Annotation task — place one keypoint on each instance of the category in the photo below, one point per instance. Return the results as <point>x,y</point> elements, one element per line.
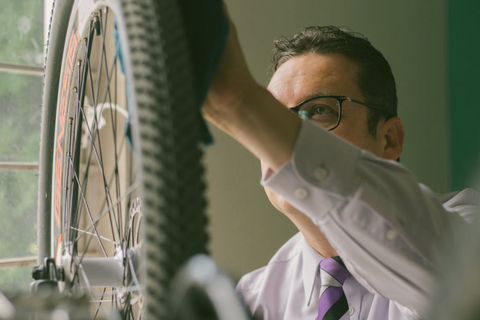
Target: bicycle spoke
<point>119,199</point>
<point>103,213</point>
<point>134,276</point>
<point>113,120</point>
<point>88,210</point>
<point>99,153</point>
<point>125,290</point>
<point>99,161</point>
<point>82,69</point>
<point>100,304</point>
<point>100,216</point>
<point>89,289</point>
<point>92,137</point>
<point>93,234</point>
<point>103,59</point>
<point>110,182</point>
<point>91,150</point>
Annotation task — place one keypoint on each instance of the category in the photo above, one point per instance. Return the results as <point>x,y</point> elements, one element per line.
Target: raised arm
<point>248,112</point>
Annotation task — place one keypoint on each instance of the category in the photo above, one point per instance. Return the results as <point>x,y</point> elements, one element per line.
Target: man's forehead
<point>292,85</point>
<point>310,75</point>
<point>285,74</point>
<point>289,79</point>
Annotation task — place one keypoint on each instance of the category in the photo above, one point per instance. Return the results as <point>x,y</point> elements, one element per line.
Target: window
<point>21,80</point>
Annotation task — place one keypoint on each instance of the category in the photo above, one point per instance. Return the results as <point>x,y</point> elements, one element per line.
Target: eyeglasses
<point>326,110</point>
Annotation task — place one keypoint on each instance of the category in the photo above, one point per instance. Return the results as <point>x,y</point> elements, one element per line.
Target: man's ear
<point>394,134</point>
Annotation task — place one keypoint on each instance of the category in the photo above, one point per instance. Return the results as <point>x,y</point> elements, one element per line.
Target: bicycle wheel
<point>121,203</point>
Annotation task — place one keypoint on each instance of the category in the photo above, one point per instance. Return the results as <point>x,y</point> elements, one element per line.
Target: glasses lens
<point>324,111</point>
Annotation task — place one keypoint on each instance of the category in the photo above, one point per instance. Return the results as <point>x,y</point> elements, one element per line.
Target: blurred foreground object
<point>202,291</point>
<point>458,293</point>
<point>44,305</point>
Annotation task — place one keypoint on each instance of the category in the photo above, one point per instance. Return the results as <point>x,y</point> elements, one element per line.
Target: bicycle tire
<point>165,133</point>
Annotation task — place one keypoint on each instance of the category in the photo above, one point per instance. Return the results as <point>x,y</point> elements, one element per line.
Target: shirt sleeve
<point>387,228</point>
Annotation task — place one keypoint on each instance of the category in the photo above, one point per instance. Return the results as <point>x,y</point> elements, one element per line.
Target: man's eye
<point>321,110</point>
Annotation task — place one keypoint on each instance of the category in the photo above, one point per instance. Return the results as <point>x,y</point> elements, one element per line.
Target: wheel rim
<point>98,229</point>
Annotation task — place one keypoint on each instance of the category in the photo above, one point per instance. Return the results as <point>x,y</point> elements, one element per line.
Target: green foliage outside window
<point>21,32</point>
<point>21,43</point>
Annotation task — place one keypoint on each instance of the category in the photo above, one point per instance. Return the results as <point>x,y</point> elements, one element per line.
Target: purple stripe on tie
<point>335,269</point>
<point>329,297</point>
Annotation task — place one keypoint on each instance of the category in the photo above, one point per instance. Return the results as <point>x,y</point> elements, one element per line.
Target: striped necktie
<point>333,303</point>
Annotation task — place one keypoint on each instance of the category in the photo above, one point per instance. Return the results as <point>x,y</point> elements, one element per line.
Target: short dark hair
<point>374,77</point>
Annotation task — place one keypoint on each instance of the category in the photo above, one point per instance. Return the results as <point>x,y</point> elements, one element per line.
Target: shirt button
<point>391,234</point>
<point>320,173</point>
<point>301,193</point>
<point>351,310</point>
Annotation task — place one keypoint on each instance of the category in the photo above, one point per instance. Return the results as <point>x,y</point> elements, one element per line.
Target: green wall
<point>464,90</point>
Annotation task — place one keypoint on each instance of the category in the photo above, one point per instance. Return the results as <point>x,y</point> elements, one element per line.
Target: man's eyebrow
<point>312,94</point>
<point>317,93</point>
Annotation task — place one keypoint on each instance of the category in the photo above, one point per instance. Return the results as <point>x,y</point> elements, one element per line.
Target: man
<point>343,188</point>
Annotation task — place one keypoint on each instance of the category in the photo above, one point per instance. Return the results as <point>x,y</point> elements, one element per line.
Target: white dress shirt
<point>387,228</point>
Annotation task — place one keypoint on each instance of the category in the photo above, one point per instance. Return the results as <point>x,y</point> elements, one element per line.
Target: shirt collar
<point>311,260</point>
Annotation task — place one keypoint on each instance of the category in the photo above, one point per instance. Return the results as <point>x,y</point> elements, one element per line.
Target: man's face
<point>312,75</point>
